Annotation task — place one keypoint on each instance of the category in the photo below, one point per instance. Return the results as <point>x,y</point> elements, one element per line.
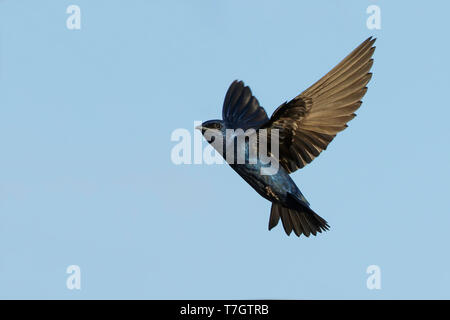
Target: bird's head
<point>213,127</point>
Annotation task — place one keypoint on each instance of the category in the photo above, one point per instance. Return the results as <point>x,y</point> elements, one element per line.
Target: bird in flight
<point>303,128</point>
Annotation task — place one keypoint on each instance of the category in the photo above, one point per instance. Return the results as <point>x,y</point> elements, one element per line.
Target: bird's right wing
<point>310,121</point>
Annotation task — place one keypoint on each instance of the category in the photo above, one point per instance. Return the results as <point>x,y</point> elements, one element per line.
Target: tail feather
<point>296,223</point>
<point>302,220</point>
<point>307,228</point>
<point>274,216</point>
<point>286,220</point>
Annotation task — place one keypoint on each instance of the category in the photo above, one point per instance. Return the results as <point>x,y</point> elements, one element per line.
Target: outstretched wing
<point>241,110</point>
<point>309,122</point>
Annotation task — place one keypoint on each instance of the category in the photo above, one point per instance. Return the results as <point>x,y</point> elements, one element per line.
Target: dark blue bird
<point>302,128</point>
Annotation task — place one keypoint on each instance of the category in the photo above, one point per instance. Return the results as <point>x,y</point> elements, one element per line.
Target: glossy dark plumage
<point>306,125</point>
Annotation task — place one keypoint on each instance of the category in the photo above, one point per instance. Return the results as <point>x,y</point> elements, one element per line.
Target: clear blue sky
<point>86,177</point>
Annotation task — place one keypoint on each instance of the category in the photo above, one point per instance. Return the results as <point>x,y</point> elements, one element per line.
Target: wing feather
<point>310,121</point>
<point>241,110</point>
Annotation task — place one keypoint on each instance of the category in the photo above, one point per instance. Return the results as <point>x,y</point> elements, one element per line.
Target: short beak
<point>199,128</point>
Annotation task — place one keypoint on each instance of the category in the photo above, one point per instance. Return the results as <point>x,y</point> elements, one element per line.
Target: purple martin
<point>303,128</point>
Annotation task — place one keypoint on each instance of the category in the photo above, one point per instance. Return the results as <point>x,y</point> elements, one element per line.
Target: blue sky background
<point>85,171</point>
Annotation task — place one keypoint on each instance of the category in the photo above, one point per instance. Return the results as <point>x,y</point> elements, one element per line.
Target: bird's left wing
<point>241,110</point>
<point>309,122</point>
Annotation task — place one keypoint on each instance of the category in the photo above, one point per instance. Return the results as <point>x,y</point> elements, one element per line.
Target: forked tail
<point>301,220</point>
